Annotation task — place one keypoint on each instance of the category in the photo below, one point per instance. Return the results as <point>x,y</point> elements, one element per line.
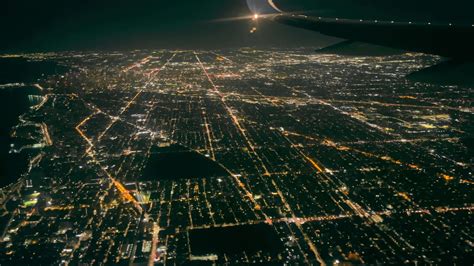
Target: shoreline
<point>15,103</point>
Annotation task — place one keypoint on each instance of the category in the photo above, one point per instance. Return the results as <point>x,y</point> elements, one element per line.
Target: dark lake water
<point>20,69</point>
<point>177,162</point>
<point>234,241</point>
<point>13,103</point>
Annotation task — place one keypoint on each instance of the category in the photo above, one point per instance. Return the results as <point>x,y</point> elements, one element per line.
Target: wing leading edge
<point>449,40</point>
<point>445,40</point>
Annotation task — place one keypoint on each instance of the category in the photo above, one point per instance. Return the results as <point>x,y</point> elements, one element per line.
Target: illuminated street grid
<point>341,157</point>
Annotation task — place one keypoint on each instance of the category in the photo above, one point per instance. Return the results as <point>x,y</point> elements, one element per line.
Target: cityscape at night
<point>237,156</point>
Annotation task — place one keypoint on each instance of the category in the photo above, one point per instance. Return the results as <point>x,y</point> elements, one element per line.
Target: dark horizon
<point>54,25</point>
<point>144,24</point>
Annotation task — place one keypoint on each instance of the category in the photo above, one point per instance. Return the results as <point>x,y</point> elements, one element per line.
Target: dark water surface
<point>13,103</point>
<point>19,69</point>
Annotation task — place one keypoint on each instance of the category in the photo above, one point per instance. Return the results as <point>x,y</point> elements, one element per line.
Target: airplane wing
<point>448,40</point>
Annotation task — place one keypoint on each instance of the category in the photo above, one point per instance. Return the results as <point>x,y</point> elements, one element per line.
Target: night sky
<point>49,25</point>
